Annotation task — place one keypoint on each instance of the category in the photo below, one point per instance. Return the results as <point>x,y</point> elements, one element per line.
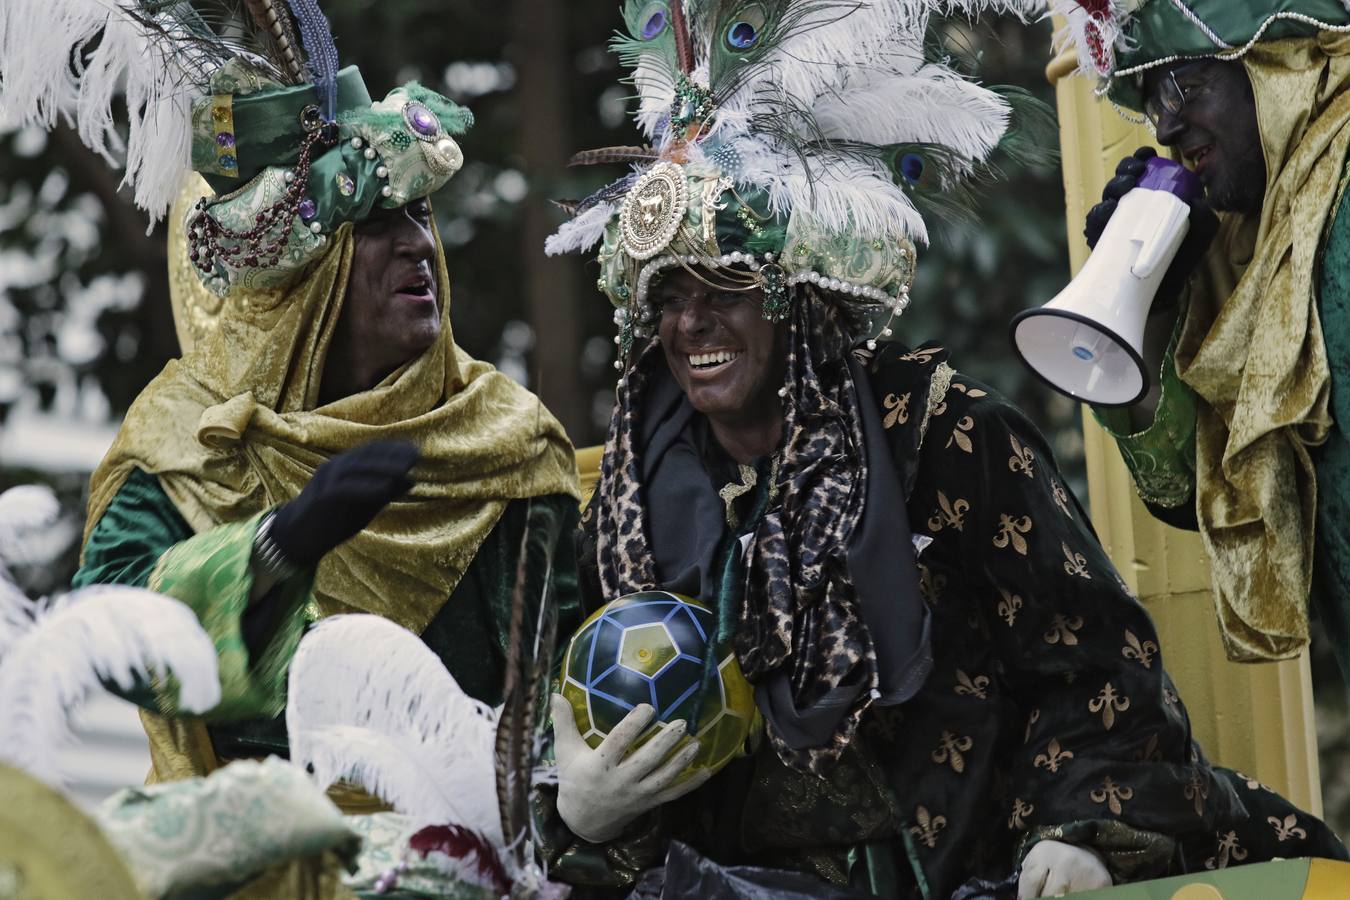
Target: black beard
<point>1243,189</point>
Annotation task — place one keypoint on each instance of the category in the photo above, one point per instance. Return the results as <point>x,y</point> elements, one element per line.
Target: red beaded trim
<point>263,243</point>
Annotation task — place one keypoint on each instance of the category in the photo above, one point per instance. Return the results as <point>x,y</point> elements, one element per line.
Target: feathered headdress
<point>799,140</point>
<point>251,97</point>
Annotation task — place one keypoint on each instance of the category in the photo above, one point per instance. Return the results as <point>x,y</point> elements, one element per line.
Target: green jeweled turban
<point>1117,39</point>
<point>284,181</point>
<point>693,215</point>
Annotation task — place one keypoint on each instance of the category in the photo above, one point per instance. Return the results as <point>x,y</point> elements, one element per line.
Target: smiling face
<point>391,312</point>
<point>725,356</point>
<point>1216,130</point>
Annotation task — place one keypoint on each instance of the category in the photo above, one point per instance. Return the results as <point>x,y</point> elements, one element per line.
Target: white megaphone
<point>1087,341</point>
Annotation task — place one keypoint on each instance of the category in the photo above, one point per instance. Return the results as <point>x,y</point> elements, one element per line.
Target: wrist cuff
<point>268,554</point>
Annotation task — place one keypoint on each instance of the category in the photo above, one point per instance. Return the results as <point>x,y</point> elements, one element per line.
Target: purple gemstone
<point>423,120</point>
<point>307,209</point>
<point>225,139</point>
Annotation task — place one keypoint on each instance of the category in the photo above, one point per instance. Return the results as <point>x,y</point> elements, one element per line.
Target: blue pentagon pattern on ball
<point>649,648</point>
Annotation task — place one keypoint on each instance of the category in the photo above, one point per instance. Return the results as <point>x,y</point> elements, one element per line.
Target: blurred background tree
<point>85,318</point>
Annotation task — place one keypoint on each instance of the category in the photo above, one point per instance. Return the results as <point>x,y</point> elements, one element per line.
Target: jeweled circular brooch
<point>653,210</point>
<point>421,121</point>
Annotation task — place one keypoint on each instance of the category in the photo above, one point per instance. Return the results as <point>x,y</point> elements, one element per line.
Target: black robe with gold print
<point>1048,713</point>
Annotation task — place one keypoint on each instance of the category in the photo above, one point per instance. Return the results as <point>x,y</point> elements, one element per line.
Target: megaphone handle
<point>1157,246</point>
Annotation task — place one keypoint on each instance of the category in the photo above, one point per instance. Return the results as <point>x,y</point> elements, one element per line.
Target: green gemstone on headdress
<point>693,104</point>
<point>773,284</point>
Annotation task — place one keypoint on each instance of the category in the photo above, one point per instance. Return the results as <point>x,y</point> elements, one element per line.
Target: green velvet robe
<point>1048,713</point>
<point>1161,458</point>
<point>469,634</point>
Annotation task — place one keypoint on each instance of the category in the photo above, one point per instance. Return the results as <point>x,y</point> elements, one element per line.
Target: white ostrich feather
<point>369,702</point>
<point>70,646</point>
<point>38,41</point>
<point>935,105</point>
<point>841,193</point>
<point>581,233</point>
<point>24,511</point>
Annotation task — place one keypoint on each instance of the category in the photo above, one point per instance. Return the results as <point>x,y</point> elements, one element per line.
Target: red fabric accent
<point>457,843</point>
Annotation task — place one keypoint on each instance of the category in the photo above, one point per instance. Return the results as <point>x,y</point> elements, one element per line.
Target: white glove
<point>600,791</point>
<point>1053,869</point>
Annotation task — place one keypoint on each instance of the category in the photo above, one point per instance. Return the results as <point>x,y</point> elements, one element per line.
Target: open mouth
<point>417,286</point>
<point>704,362</point>
<point>1200,156</point>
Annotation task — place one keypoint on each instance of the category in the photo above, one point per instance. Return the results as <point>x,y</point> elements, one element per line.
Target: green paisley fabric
<point>187,837</point>
<point>1161,458</point>
<point>142,527</point>
<point>210,573</point>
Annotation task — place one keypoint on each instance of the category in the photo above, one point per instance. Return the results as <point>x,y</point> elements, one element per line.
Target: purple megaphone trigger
<point>1166,175</point>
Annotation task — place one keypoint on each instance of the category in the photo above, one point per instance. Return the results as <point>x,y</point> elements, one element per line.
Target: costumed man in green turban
<point>322,446</point>
<point>1241,434</point>
<point>954,682</point>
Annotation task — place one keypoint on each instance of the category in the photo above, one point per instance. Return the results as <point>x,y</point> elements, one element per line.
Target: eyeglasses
<point>1171,96</point>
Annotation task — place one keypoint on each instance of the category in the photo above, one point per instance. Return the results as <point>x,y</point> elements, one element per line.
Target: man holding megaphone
<point>1227,339</point>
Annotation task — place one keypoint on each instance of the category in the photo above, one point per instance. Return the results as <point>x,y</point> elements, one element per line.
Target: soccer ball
<point>649,647</point>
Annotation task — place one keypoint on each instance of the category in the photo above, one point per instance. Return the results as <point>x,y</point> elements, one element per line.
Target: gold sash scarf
<point>1252,348</point>
<point>232,428</point>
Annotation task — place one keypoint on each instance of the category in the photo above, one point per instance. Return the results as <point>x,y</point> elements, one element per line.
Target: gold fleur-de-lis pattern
<point>1061,496</point>
<point>949,514</point>
<point>1076,563</point>
<point>927,827</point>
<point>931,584</point>
<point>1053,757</point>
<point>968,686</point>
<point>897,410</point>
<point>971,392</point>
<point>1022,458</point>
<point>1141,652</point>
<point>1229,850</point>
<point>1034,637</point>
<point>1062,630</point>
<point>1010,531</point>
<point>1149,752</point>
<point>1107,704</point>
<point>1113,795</point>
<point>1287,829</point>
<point>951,749</point>
<point>961,435</point>
<point>1020,810</point>
<point>1197,791</point>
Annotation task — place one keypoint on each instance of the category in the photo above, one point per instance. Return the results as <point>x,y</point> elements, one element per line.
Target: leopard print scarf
<point>799,623</point>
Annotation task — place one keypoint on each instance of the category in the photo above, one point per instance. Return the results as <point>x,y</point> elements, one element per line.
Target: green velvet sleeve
<point>142,541</point>
<point>1161,458</point>
<point>1331,558</point>
<point>210,572</point>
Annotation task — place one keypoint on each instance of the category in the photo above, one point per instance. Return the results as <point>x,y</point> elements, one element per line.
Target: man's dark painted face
<point>726,357</point>
<point>392,307</point>
<point>1215,130</point>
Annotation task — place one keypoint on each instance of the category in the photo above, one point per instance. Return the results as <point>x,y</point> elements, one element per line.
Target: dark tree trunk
<point>540,49</point>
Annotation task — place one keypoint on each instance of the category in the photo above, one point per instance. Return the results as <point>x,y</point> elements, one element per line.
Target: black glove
<point>1204,225</point>
<point>343,496</point>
